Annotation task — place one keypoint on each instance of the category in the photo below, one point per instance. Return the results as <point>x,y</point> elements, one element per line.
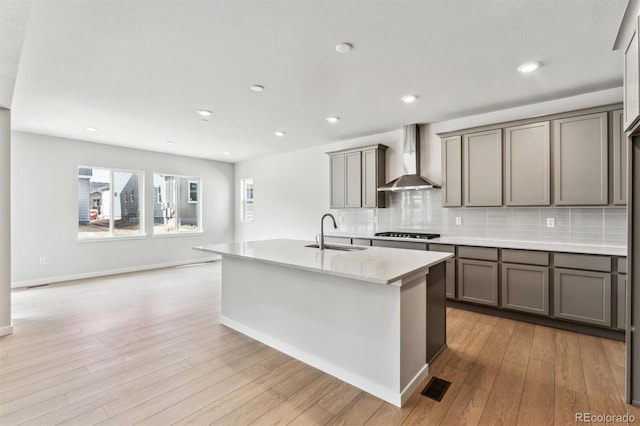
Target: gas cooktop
<point>416,235</point>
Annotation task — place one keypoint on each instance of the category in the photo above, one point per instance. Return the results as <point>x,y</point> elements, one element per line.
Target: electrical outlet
<point>375,220</point>
<point>551,222</point>
<point>43,260</point>
<point>458,220</point>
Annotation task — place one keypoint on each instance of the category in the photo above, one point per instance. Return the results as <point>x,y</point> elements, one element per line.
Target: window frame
<point>109,236</point>
<point>158,199</point>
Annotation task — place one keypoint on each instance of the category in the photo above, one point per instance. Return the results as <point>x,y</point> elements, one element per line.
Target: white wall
<point>45,213</point>
<point>5,222</point>
<point>292,189</point>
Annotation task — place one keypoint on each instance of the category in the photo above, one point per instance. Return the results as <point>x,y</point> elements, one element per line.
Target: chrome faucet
<point>322,228</point>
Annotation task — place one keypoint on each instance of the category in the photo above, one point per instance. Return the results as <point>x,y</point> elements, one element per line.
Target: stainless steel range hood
<point>411,180</point>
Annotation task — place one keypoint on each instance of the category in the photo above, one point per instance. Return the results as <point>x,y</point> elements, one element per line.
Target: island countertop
<point>378,265</point>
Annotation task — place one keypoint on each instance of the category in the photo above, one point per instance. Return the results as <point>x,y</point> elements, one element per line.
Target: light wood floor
<point>147,348</point>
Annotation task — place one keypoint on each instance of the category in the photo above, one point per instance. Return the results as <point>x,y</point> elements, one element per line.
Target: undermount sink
<point>341,248</point>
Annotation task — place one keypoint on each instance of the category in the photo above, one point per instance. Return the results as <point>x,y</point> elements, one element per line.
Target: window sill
<point>115,238</point>
<point>178,234</point>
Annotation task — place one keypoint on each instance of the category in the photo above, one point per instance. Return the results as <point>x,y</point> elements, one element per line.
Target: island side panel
<point>347,328</point>
<point>436,311</point>
<point>413,368</point>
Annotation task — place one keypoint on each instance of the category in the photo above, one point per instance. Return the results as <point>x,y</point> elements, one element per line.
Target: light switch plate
<point>551,222</point>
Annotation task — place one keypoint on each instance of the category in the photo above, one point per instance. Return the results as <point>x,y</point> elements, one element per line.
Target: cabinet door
<point>482,168</point>
<point>622,302</point>
<point>527,167</point>
<point>451,278</point>
<point>582,296</point>
<point>525,288</point>
<point>452,172</point>
<point>478,281</point>
<point>338,181</point>
<point>620,144</point>
<point>369,178</point>
<point>353,197</point>
<point>631,81</point>
<point>581,161</point>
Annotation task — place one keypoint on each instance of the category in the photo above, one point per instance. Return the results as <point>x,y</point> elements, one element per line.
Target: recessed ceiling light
<point>204,120</point>
<point>409,98</point>
<point>257,88</point>
<point>529,66</point>
<point>204,112</point>
<point>344,47</point>
<point>91,129</point>
<point>279,133</point>
<point>333,119</point>
<point>226,153</point>
<point>170,142</point>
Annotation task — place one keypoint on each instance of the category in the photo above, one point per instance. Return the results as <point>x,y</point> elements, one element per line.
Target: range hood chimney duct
<point>411,180</point>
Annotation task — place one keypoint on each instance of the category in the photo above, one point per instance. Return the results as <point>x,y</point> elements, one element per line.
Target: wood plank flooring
<point>147,348</point>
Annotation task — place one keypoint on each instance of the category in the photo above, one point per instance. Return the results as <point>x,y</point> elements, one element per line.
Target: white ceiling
<point>139,69</point>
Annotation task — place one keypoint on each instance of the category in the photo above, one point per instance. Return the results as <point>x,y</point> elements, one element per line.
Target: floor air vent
<point>436,388</point>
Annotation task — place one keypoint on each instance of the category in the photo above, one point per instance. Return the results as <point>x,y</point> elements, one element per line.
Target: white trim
<point>114,238</point>
<point>389,395</point>
<point>178,234</point>
<point>61,278</point>
<point>6,330</point>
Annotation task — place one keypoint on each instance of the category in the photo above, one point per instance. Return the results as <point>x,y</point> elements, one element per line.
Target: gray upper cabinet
<point>353,184</point>
<point>619,159</point>
<point>338,180</point>
<point>452,171</point>
<point>482,168</point>
<point>527,169</point>
<point>581,160</point>
<point>355,177</point>
<point>631,81</point>
<point>373,176</point>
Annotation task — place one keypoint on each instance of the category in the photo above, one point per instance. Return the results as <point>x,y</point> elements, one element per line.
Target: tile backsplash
<point>422,211</point>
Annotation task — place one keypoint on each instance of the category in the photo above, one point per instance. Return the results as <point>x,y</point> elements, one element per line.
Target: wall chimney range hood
<point>411,180</point>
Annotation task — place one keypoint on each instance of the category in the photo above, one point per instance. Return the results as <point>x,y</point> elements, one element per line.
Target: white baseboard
<point>94,274</point>
<point>328,367</point>
<point>8,329</point>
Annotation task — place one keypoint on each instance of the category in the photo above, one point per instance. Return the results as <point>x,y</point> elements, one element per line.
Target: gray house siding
<point>130,200</point>
<point>84,176</point>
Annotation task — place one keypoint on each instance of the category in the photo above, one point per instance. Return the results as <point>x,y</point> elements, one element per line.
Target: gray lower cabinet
<point>581,146</point>
<point>582,296</point>
<point>621,302</point>
<point>451,279</point>
<point>478,281</point>
<point>525,288</point>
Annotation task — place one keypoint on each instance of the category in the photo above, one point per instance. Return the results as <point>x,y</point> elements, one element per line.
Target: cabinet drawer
<point>337,240</point>
<point>442,248</point>
<point>622,265</point>
<point>525,288</point>
<point>399,244</point>
<point>582,296</point>
<point>481,253</point>
<point>526,256</point>
<point>361,242</point>
<point>583,261</point>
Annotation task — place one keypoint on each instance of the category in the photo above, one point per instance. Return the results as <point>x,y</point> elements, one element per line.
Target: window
<point>176,208</point>
<point>246,200</point>
<point>102,195</point>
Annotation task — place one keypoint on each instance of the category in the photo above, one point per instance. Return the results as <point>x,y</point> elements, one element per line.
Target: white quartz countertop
<point>378,265</point>
<point>480,242</point>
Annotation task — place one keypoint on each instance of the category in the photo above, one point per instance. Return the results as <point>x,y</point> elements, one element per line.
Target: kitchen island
<point>373,317</point>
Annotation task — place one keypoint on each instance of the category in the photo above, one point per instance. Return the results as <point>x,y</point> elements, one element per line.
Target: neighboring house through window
<point>177,208</point>
<point>246,200</point>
